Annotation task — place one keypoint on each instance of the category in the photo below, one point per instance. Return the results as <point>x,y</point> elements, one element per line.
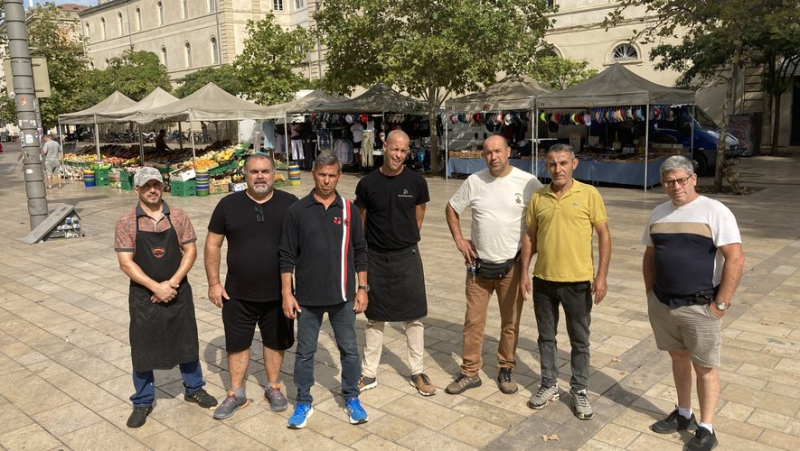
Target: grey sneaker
<point>462,383</point>
<point>580,402</point>
<point>277,402</point>
<point>505,380</point>
<point>228,407</point>
<point>543,397</point>
<point>366,383</point>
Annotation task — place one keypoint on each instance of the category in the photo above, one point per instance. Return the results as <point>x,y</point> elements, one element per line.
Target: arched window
<point>188,48</point>
<point>103,34</point>
<point>107,63</point>
<point>624,52</point>
<point>138,19</point>
<point>91,65</point>
<point>212,6</point>
<point>160,13</point>
<point>214,50</point>
<point>119,22</point>
<point>277,5</point>
<point>164,57</point>
<point>185,8</point>
<point>88,33</point>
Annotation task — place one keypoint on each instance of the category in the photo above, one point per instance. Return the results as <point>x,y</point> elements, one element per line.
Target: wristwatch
<point>721,306</point>
<point>364,287</point>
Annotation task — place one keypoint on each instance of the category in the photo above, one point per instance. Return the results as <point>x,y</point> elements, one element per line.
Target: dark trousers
<point>576,299</point>
<point>343,321</point>
<point>143,383</point>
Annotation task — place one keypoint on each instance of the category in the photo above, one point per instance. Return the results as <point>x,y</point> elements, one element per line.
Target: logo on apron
<point>337,220</point>
<point>159,252</point>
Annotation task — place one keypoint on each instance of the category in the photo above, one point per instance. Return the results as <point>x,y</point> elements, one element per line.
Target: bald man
<point>392,201</point>
<point>498,197</point>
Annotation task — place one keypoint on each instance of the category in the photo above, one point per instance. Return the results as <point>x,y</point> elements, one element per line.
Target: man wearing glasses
<point>252,222</point>
<point>392,201</point>
<point>561,219</point>
<point>692,266</point>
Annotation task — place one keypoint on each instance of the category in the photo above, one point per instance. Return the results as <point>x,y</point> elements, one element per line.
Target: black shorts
<point>240,318</point>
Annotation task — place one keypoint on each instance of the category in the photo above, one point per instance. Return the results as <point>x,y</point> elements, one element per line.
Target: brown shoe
<point>505,380</point>
<point>462,382</point>
<point>423,384</point>
<point>366,383</point>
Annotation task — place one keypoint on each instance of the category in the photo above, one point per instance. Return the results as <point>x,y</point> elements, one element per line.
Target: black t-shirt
<point>253,269</point>
<point>391,204</point>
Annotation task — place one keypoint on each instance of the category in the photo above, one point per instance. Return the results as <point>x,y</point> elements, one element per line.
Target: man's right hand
<point>467,249</point>
<point>216,293</point>
<point>525,287</point>
<point>290,306</point>
<point>164,292</point>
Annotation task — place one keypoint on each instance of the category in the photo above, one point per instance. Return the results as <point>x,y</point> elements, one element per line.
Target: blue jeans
<point>343,321</point>
<point>146,392</point>
<point>576,298</point>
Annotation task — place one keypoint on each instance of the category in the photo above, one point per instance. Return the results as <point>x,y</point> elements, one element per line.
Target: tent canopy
<point>378,99</point>
<point>615,86</point>
<point>515,92</point>
<point>157,98</point>
<point>209,103</point>
<point>308,103</point>
<point>112,103</point>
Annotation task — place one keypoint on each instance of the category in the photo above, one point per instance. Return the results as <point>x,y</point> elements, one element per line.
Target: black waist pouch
<point>493,270</point>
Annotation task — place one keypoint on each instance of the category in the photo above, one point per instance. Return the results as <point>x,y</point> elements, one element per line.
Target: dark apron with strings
<point>162,335</point>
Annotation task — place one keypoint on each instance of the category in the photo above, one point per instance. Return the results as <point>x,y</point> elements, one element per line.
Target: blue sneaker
<point>302,412</point>
<point>355,411</point>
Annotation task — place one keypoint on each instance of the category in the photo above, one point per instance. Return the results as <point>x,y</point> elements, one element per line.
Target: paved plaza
<point>65,360</point>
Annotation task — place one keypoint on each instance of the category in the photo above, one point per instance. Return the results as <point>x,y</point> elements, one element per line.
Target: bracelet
<point>214,284</point>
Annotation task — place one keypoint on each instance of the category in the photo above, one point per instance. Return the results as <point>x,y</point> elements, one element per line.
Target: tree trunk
<point>727,111</point>
<point>432,108</point>
<point>776,122</point>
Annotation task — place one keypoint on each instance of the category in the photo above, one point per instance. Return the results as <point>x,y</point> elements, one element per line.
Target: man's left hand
<point>360,303</point>
<point>599,289</point>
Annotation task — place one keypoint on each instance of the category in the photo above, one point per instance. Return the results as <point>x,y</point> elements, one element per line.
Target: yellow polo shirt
<point>564,232</point>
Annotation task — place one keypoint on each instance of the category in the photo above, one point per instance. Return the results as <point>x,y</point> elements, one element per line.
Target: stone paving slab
<point>65,358</point>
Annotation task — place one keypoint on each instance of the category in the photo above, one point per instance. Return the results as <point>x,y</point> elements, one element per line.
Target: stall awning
<point>157,98</point>
<point>615,86</point>
<point>311,102</point>
<point>112,103</point>
<point>378,99</point>
<point>515,92</point>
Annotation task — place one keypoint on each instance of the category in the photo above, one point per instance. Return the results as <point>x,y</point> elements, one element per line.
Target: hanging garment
<point>296,149</point>
<point>368,148</point>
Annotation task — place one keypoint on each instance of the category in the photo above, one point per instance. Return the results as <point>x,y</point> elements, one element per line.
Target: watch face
<point>721,306</point>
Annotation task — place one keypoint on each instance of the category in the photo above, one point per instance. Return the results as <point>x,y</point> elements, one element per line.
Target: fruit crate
<point>223,169</point>
<point>101,177</point>
<point>126,180</point>
<point>183,189</point>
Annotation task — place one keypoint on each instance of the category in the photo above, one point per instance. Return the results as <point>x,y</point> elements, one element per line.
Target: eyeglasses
<point>259,214</point>
<point>681,181</point>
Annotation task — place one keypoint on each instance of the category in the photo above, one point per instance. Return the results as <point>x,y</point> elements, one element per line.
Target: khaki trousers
<point>479,292</point>
<point>415,339</point>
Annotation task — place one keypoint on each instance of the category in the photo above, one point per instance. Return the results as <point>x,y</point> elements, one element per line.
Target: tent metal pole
<point>194,156</point>
<point>141,144</point>
<point>691,140</point>
<point>646,145</point>
<point>535,139</point>
<point>60,134</point>
<point>97,138</point>
<point>180,135</point>
<point>446,148</point>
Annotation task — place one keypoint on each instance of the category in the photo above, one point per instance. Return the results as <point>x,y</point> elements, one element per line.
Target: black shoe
<point>704,440</point>
<point>139,416</point>
<point>201,397</point>
<point>673,423</point>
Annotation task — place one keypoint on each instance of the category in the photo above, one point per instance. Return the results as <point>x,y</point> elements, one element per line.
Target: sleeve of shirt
<point>530,218</point>
<point>359,242</point>
<point>124,237</point>
<point>724,227</point>
<point>185,230</point>
<point>424,196</point>
<point>217,222</point>
<point>460,200</point>
<point>287,250</point>
<point>598,212</point>
<point>361,195</point>
<point>531,187</point>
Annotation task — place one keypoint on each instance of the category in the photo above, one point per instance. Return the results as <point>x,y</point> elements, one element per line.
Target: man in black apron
<point>392,201</point>
<point>156,248</point>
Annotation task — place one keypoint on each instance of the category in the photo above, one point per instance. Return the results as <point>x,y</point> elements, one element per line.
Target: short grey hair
<point>326,159</point>
<point>560,147</point>
<point>259,156</point>
<point>677,163</point>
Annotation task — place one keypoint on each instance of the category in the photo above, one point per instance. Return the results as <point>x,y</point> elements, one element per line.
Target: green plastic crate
<point>101,177</point>
<point>125,180</point>
<point>222,169</point>
<point>183,189</point>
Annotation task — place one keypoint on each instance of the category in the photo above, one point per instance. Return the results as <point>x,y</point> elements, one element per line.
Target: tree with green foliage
<point>714,41</point>
<point>429,48</point>
<point>136,74</point>
<point>266,66</point>
<point>224,76</point>
<point>50,38</point>
<point>561,73</point>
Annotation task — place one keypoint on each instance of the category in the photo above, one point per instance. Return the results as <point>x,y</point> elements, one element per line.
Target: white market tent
<point>114,102</point>
<point>617,86</point>
<point>306,104</point>
<point>378,99</point>
<point>515,92</point>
